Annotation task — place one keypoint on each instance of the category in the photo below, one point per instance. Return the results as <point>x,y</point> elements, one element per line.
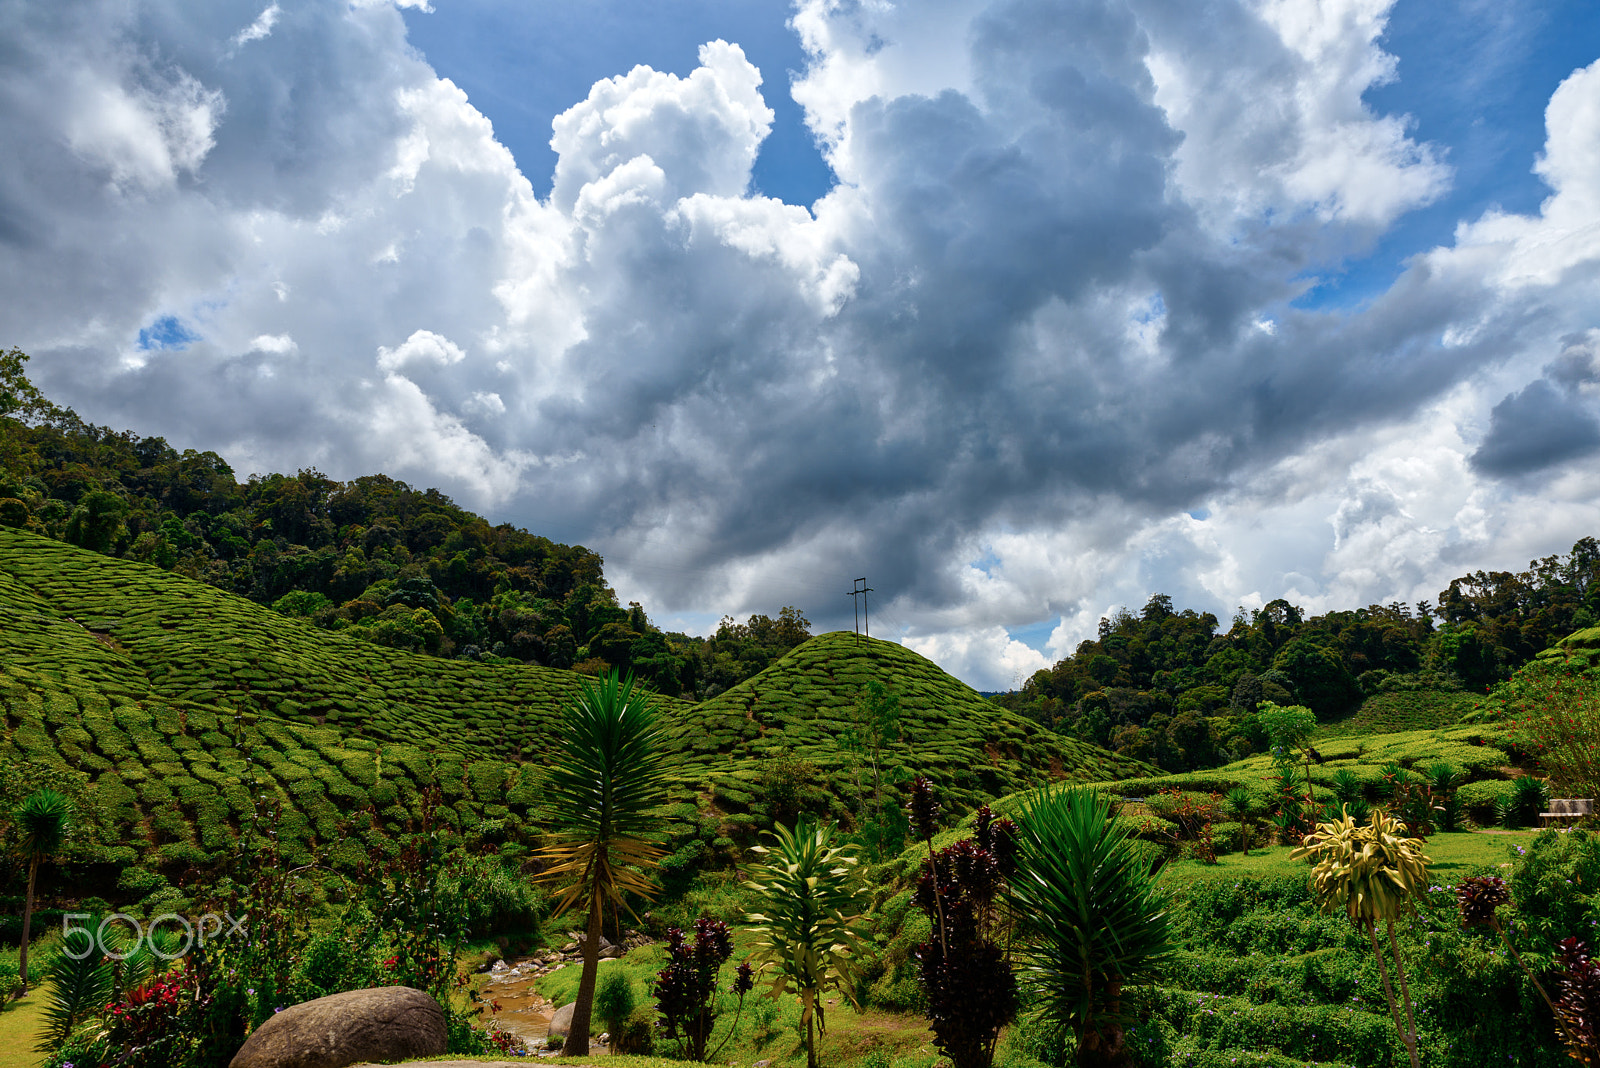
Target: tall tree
<point>43,820</point>
<point>602,793</point>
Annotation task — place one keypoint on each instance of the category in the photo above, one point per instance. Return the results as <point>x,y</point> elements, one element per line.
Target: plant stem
<point>1561,1022</point>
<point>1405,990</point>
<point>938,899</point>
<point>1388,990</point>
<point>27,922</point>
<point>731,1031</point>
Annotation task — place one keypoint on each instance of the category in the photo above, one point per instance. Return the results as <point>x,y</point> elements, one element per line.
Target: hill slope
<point>181,703</point>
<point>805,702</point>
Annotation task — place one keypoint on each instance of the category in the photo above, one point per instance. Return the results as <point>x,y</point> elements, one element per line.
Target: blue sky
<point>1062,304</point>
<point>522,63</point>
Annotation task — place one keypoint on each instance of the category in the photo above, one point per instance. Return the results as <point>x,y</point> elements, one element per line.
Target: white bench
<point>1569,809</point>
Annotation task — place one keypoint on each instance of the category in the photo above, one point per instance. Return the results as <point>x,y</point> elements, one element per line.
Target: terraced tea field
<point>973,748</point>
<point>179,702</point>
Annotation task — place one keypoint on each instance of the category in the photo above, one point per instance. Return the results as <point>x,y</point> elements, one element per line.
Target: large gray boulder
<point>385,1023</point>
<point>561,1022</point>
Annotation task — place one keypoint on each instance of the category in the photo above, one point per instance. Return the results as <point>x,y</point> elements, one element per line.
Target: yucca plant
<point>1091,919</point>
<point>43,821</point>
<point>1373,873</point>
<point>1521,807</point>
<point>81,983</point>
<point>602,794</point>
<point>810,902</point>
<point>1443,780</point>
<point>1243,806</point>
<point>1347,786</point>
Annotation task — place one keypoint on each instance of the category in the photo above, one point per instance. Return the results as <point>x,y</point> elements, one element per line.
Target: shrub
<point>615,999</point>
<point>1555,716</point>
<point>1521,806</point>
<point>1480,800</point>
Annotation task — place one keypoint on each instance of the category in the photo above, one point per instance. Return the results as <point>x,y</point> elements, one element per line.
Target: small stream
<point>524,1011</point>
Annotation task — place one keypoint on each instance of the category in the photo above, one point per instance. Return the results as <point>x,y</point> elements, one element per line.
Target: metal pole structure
<point>862,589</point>
<point>855,611</point>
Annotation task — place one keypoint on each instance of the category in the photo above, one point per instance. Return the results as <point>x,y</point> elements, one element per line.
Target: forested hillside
<point>1174,688</point>
<point>373,557</point>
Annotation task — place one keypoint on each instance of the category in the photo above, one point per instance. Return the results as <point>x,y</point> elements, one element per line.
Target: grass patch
<point>1452,857</point>
<point>19,1030</point>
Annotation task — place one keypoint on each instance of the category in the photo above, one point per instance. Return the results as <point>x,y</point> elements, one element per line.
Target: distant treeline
<point>373,557</point>
<point>1174,689</point>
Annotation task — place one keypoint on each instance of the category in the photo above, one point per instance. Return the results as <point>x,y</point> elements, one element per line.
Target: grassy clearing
<point>1453,856</point>
<point>19,1030</point>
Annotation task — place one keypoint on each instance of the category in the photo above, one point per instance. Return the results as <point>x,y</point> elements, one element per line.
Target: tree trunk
<point>1388,990</point>
<point>577,1043</point>
<point>1104,1046</point>
<point>811,1041</point>
<point>1405,992</point>
<point>27,924</point>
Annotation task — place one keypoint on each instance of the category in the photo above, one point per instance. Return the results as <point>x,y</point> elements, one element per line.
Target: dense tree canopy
<point>1173,688</point>
<point>373,556</point>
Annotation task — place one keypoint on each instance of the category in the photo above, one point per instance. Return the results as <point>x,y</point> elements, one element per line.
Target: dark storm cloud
<point>1549,422</point>
<point>1535,429</point>
<point>1055,285</point>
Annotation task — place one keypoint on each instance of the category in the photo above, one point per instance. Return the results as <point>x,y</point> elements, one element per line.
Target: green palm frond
<point>42,822</point>
<point>602,794</point>
<point>1092,918</point>
<point>80,986</point>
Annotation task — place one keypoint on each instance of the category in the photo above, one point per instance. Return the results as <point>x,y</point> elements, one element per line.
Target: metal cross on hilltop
<point>862,589</point>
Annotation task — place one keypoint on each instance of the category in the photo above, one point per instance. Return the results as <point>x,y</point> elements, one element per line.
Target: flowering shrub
<point>1552,712</point>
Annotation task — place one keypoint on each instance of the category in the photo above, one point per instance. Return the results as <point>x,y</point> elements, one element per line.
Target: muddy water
<point>522,1010</point>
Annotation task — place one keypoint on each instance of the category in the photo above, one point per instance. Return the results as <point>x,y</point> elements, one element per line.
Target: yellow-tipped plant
<point>808,924</point>
<point>1372,872</point>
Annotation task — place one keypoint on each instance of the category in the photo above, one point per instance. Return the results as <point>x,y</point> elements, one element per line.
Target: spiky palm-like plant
<point>81,982</point>
<point>1090,915</point>
<point>1243,806</point>
<point>807,926</point>
<point>602,793</point>
<point>1373,873</point>
<point>43,820</point>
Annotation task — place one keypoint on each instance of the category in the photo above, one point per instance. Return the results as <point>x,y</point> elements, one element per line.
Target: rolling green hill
<point>973,748</point>
<point>183,705</point>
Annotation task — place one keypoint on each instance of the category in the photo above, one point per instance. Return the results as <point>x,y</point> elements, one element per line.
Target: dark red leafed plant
<point>965,975</point>
<point>1579,1003</point>
<point>685,987</point>
<point>143,1026</point>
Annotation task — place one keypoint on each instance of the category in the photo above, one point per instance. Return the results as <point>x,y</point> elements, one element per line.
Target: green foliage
<point>80,979</point>
<point>615,999</point>
<point>1556,888</point>
<point>807,929</point>
<point>1521,804</point>
<point>1090,916</point>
